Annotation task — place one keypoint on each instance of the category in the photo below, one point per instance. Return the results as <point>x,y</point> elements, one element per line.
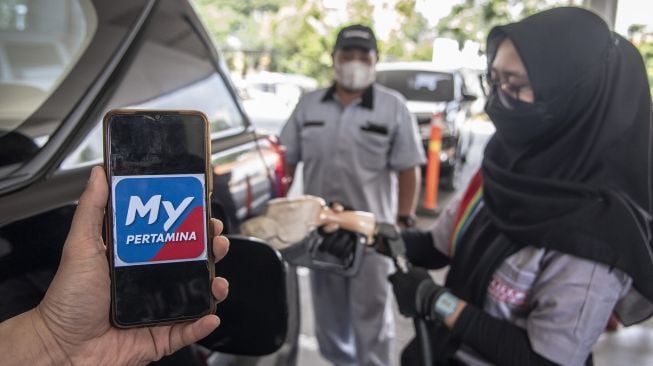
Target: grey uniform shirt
<point>562,301</point>
<point>352,154</point>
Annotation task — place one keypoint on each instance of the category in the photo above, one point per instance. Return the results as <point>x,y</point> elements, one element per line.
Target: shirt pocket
<point>374,144</point>
<point>311,133</point>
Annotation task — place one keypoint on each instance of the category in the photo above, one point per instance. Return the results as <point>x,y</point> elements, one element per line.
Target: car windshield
<point>417,85</point>
<point>40,42</point>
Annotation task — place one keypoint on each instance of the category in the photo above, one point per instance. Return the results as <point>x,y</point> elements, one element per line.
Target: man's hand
<point>72,320</point>
<point>409,185</point>
<point>340,243</point>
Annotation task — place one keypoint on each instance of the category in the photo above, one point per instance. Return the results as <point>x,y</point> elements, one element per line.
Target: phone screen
<point>157,169</point>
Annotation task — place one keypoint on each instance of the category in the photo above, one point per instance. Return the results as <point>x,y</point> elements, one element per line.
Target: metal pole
<point>607,9</point>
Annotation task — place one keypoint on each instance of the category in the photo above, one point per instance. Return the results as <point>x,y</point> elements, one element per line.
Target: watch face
<point>446,304</point>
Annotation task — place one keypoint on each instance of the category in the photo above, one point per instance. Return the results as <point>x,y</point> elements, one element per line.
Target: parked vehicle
<point>270,97</point>
<point>64,63</point>
<point>267,111</point>
<point>433,93</point>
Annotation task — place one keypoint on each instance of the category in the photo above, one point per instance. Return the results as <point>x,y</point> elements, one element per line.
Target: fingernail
<point>92,176</point>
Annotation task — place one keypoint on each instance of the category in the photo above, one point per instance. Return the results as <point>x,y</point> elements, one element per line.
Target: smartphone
<point>157,223</point>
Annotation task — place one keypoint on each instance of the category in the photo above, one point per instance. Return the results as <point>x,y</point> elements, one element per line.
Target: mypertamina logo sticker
<point>158,219</point>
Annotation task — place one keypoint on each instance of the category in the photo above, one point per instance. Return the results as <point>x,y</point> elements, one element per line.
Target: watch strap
<point>426,295</point>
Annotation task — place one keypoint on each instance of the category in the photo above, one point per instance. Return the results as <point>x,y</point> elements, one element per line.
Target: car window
<point>414,85</point>
<point>172,69</point>
<point>40,42</point>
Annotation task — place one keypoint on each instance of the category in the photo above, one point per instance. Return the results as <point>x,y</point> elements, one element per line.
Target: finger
<point>337,207</point>
<point>220,288</point>
<point>220,247</point>
<point>216,227</point>
<point>89,215</point>
<point>182,335</point>
<point>330,228</point>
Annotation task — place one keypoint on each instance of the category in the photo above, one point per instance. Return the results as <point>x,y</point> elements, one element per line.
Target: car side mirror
<point>254,317</point>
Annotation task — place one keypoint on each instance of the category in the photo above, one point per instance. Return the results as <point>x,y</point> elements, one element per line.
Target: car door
<point>129,53</point>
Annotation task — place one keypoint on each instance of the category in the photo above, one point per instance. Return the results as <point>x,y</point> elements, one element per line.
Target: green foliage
<point>646,49</point>
<point>285,35</point>
<point>298,46</point>
<point>413,40</point>
<point>360,12</point>
<point>251,6</point>
<point>473,19</point>
<point>635,29</point>
<point>292,35</point>
<point>223,20</point>
<point>643,40</point>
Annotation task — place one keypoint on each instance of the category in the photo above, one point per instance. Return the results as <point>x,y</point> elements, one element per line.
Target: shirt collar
<point>367,99</point>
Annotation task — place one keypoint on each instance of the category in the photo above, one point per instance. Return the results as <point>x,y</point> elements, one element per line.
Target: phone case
<point>170,226</point>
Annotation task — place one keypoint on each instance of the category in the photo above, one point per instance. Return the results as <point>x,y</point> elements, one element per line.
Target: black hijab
<point>582,185</point>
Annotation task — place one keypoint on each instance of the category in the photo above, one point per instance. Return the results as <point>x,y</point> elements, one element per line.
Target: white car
<point>446,94</point>
<point>270,97</point>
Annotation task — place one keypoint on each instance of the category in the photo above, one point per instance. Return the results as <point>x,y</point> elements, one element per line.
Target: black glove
<point>416,293</point>
<point>340,243</point>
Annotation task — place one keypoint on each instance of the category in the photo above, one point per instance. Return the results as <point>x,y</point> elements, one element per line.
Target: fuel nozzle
<point>389,242</point>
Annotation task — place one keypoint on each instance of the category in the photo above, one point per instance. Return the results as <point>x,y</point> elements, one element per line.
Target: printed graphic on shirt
<point>158,219</point>
<point>505,293</point>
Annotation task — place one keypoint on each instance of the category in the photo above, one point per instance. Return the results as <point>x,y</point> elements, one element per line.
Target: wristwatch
<point>445,305</point>
<point>407,220</point>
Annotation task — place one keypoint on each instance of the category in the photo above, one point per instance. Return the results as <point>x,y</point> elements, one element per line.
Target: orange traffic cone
<point>433,165</point>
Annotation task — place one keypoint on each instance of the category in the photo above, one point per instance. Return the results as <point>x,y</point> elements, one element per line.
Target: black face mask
<point>518,123</point>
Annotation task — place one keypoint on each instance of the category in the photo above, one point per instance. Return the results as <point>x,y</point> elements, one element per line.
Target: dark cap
<point>356,36</point>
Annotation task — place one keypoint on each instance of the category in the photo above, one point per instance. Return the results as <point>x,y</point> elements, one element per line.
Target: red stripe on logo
<point>186,249</point>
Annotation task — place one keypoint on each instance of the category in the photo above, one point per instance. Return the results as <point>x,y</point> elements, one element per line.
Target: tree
<point>360,11</point>
<point>278,35</point>
<point>226,18</point>
<point>644,42</point>
<point>296,36</point>
<point>240,21</point>
<point>302,41</point>
<point>473,19</point>
<point>413,40</point>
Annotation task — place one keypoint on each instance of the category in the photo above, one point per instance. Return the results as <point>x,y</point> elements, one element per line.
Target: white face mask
<point>354,75</point>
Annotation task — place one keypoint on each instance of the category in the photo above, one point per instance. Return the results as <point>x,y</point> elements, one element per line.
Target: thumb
<point>89,215</point>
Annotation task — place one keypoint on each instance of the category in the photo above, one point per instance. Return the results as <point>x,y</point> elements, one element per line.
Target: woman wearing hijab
<point>552,236</point>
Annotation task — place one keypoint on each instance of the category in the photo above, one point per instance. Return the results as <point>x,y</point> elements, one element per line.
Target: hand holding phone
<point>71,324</point>
<point>159,176</point>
